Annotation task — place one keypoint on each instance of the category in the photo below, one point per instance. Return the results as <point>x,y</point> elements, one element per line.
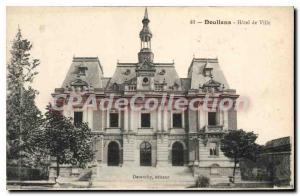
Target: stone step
<point>140,185</point>
<point>219,180</point>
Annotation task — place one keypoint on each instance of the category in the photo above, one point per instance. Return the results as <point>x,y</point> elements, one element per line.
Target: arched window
<point>145,154</point>
<point>177,154</point>
<point>113,154</point>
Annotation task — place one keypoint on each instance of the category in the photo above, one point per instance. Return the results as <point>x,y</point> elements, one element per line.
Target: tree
<point>23,118</point>
<point>69,144</point>
<point>238,144</point>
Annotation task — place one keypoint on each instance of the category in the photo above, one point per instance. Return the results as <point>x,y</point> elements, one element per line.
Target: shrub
<point>14,173</point>
<point>202,182</point>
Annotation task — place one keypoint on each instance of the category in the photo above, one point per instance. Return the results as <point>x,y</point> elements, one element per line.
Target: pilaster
<point>128,149</point>
<point>162,149</point>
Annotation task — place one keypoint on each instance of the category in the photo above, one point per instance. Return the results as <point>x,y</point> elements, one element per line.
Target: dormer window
<point>127,72</point>
<point>162,72</point>
<point>82,70</point>
<point>175,86</point>
<point>115,87</point>
<point>207,71</point>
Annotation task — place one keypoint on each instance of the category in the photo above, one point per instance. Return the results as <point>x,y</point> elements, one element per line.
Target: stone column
<point>133,121</point>
<point>68,112</point>
<point>199,116</point>
<point>102,116</point>
<point>90,117</point>
<point>203,121</point>
<point>165,119</point>
<point>129,118</point>
<point>225,120</point>
<point>159,116</point>
<point>84,115</point>
<point>126,119</point>
<point>107,117</point>
<point>221,117</point>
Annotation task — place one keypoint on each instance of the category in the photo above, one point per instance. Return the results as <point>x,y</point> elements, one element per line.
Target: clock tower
<point>145,70</point>
<point>145,53</point>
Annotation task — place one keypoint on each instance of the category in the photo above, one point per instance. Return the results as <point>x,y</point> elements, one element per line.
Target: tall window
<point>77,118</point>
<point>114,120</point>
<point>213,149</point>
<point>145,120</point>
<point>212,118</point>
<point>113,156</point>
<point>177,120</point>
<point>177,154</point>
<point>145,154</point>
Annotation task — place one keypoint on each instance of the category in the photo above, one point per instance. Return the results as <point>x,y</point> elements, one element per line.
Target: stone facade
<point>164,137</point>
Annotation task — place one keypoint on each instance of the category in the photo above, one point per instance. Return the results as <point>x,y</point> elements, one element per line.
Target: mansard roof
<point>164,73</point>
<point>197,75</point>
<point>86,69</point>
<point>125,73</point>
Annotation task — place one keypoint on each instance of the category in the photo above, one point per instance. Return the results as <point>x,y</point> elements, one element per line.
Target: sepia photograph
<point>150,98</point>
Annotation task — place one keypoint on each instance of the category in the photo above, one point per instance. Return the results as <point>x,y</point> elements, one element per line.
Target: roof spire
<point>145,53</point>
<point>146,14</point>
<point>146,19</point>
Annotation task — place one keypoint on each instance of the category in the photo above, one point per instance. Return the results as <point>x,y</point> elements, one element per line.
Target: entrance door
<point>145,154</point>
<point>113,158</point>
<point>177,154</point>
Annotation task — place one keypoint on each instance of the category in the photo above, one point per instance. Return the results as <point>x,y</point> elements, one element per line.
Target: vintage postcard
<point>150,98</point>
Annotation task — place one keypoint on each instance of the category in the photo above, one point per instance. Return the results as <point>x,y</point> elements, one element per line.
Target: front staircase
<point>143,177</point>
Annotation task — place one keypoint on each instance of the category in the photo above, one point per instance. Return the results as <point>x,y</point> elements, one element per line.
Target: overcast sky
<point>257,60</point>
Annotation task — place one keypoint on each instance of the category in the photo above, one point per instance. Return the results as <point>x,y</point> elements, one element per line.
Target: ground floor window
<point>177,154</point>
<point>113,154</point>
<point>145,154</point>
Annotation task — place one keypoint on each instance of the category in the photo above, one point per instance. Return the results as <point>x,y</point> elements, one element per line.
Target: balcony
<point>214,128</point>
<point>131,87</point>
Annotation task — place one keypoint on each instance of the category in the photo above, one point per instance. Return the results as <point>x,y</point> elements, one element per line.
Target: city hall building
<point>135,145</point>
